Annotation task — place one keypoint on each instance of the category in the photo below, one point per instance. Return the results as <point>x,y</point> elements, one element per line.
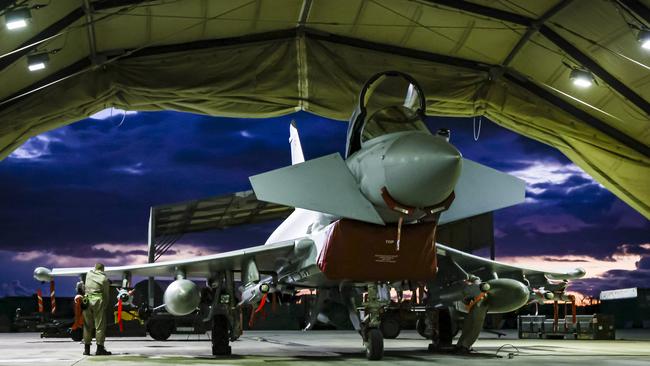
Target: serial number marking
<point>386,258</point>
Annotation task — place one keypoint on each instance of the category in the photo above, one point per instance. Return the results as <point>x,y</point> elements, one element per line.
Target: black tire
<point>77,335</point>
<point>421,327</point>
<point>390,327</point>
<point>374,345</point>
<point>446,327</point>
<point>220,336</point>
<point>160,329</point>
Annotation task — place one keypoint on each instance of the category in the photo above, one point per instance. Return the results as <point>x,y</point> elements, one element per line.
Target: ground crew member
<point>97,288</point>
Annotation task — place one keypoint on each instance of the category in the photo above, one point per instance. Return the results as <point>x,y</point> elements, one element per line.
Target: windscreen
<point>391,104</point>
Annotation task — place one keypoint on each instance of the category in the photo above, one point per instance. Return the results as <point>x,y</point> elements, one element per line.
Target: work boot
<point>101,351</point>
<point>86,350</point>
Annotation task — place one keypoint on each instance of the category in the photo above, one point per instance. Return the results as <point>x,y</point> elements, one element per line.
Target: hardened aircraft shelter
<point>572,74</point>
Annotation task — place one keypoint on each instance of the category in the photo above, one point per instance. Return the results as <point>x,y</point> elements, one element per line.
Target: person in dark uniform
<point>96,288</point>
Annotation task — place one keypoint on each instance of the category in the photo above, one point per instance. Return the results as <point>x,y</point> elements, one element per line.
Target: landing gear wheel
<point>390,327</point>
<point>374,345</point>
<point>446,327</point>
<point>220,336</point>
<point>421,327</point>
<point>160,329</point>
<point>77,334</point>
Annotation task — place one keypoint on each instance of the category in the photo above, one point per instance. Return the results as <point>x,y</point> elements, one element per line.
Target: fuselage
<point>415,169</point>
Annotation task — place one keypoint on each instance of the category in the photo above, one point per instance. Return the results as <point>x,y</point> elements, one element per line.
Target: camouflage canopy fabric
<point>507,60</point>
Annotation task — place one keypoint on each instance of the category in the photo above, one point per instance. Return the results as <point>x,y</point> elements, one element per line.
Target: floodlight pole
<point>151,241</point>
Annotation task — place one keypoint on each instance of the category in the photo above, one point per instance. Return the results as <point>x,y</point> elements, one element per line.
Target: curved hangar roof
<point>509,60</point>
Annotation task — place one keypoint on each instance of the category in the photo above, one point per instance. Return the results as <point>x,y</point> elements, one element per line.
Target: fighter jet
<point>363,223</point>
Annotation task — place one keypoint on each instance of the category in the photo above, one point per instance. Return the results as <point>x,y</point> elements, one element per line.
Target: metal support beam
<point>534,28</point>
<point>408,52</point>
<point>579,113</point>
<point>566,46</point>
<point>486,11</point>
<point>304,12</point>
<point>57,27</point>
<point>54,78</point>
<point>638,8</point>
<point>517,79</point>
<point>422,55</point>
<point>598,70</point>
<point>90,30</point>
<point>31,44</point>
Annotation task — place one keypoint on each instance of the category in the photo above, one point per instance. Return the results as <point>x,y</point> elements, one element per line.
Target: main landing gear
<point>220,336</point>
<point>226,325</point>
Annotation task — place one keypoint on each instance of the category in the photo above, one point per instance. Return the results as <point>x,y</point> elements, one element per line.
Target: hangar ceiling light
<point>38,61</point>
<point>644,38</point>
<point>581,78</point>
<point>17,18</point>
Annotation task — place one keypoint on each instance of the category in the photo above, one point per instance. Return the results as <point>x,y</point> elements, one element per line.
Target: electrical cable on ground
<point>510,354</point>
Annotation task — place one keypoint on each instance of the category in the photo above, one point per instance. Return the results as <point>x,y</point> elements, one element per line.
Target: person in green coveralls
<point>97,288</point>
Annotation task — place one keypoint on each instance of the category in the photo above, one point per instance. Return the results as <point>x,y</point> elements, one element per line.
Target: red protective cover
<point>358,251</point>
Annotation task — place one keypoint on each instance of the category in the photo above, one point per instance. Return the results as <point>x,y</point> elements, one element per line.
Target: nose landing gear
<point>373,339</point>
<point>374,342</point>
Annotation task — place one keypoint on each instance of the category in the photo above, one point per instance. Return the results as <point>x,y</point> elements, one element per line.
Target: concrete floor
<point>319,347</point>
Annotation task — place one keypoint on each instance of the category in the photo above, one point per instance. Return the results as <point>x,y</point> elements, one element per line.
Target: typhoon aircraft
<point>364,223</point>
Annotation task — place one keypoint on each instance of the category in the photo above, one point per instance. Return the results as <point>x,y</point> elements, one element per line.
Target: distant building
<point>630,306</point>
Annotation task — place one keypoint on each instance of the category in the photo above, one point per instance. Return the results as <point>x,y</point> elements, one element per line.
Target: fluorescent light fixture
<point>17,18</point>
<point>581,78</point>
<point>644,39</point>
<point>16,24</point>
<point>36,67</point>
<point>38,61</point>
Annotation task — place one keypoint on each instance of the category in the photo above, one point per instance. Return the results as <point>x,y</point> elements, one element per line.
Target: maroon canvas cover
<point>359,251</point>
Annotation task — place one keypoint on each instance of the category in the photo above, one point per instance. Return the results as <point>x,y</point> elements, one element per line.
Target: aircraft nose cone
<point>421,170</point>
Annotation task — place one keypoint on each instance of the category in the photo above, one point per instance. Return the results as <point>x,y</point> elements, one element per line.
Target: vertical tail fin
<point>296,149</point>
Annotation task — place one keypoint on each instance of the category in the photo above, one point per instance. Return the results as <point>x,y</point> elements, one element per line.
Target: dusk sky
<point>81,194</point>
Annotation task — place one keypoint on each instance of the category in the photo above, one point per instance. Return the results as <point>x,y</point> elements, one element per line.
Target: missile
<point>253,292</point>
<point>126,296</point>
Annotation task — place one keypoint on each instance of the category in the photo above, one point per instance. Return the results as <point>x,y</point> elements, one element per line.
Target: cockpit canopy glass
<point>392,104</point>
